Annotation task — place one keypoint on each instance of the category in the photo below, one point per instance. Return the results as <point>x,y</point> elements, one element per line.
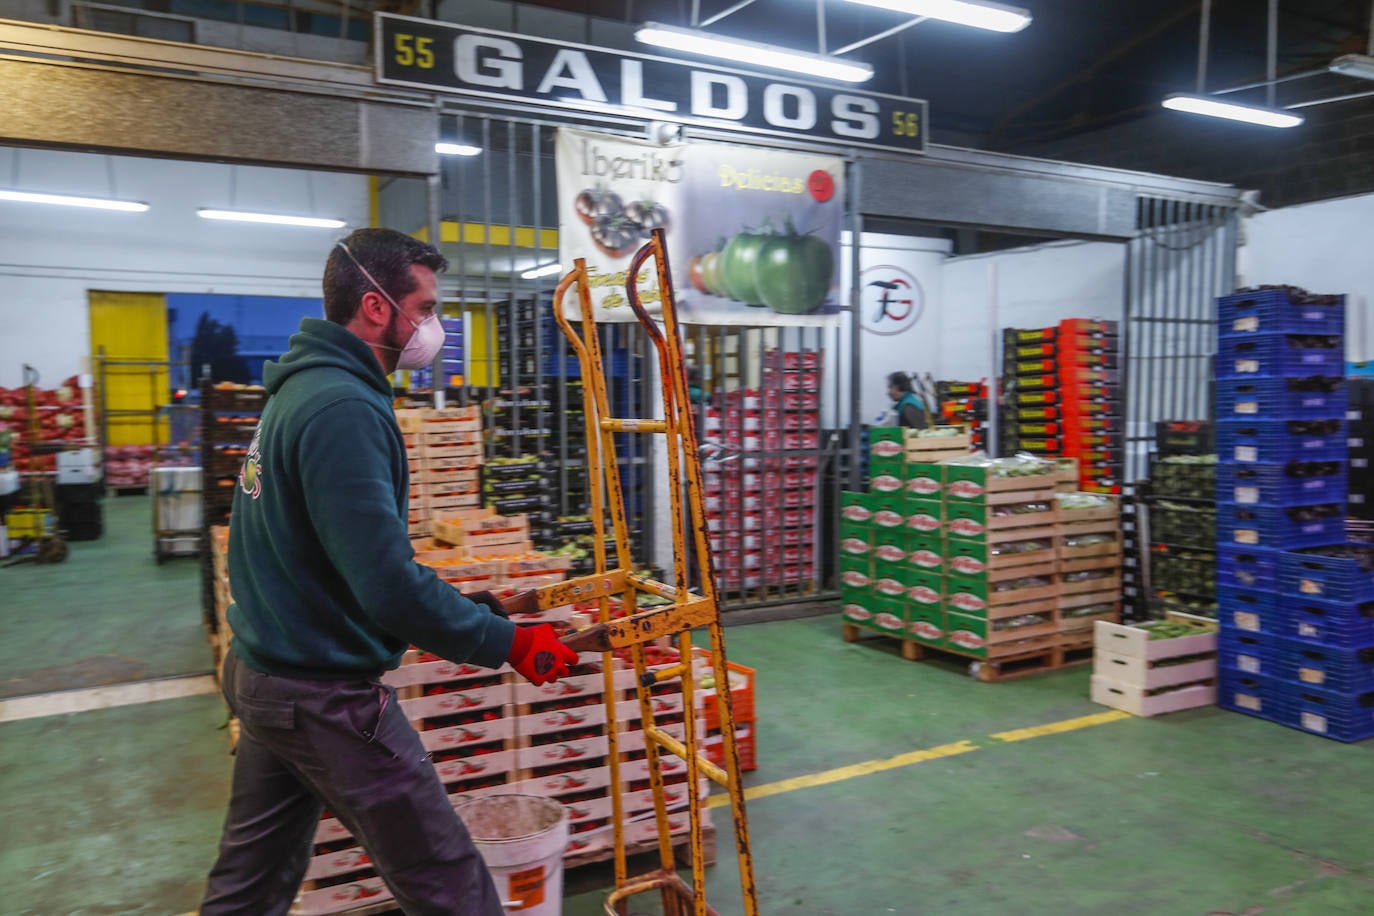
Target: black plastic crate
<point>1183,571</point>
<point>1182,525</point>
<point>1176,476</point>
<point>1185,437</point>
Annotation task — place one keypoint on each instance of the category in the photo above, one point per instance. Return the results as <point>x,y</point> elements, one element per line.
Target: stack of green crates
<point>945,561</point>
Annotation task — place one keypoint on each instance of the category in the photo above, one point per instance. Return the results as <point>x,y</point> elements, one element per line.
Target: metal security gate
<point>768,399</point>
<point>1182,257</point>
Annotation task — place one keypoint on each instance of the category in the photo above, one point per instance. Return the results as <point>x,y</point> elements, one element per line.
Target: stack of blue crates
<point>1282,477</point>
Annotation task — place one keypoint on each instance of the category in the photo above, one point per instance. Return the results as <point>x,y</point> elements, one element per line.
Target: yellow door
<point>131,328</point>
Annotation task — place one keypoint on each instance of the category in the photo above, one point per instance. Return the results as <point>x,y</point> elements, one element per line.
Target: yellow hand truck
<point>637,627</point>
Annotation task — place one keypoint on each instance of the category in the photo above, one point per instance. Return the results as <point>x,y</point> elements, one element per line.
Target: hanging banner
<point>753,235</point>
<point>612,193</point>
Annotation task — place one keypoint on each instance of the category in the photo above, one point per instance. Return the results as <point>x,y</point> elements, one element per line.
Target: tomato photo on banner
<point>612,193</point>
<point>761,231</point>
<point>753,235</point>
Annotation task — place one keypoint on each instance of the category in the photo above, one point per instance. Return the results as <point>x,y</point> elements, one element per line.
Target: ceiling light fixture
<point>1215,108</point>
<point>66,200</point>
<point>1357,65</point>
<point>738,50</point>
<point>275,219</point>
<point>544,270</point>
<point>994,17</point>
<point>457,149</point>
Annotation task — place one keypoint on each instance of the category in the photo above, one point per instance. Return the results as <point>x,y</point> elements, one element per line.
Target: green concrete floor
<point>1201,812</point>
<point>110,614</point>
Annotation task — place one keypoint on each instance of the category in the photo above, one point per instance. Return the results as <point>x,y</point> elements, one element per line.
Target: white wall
<point>1325,247</point>
<point>915,347</point>
<point>1034,288</point>
<point>51,256</point>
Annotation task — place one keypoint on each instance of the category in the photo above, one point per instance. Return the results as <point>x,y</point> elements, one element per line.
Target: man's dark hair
<point>901,381</point>
<point>387,255</point>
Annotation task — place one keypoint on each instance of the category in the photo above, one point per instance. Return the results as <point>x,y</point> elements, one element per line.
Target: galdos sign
<point>506,68</point>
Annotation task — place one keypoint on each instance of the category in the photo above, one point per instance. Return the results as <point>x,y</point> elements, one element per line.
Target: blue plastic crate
<point>1247,567</point>
<point>1315,574</point>
<point>1274,311</point>
<point>1249,610</point>
<point>1280,355</point>
<point>1296,483</point>
<point>1336,623</point>
<point>1345,669</point>
<point>1283,527</point>
<point>1318,397</point>
<point>1330,713</point>
<point>1252,694</point>
<point>1248,653</point>
<point>1278,441</point>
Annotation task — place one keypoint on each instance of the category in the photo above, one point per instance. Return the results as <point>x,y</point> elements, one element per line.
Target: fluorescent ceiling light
<point>457,149</point>
<point>544,270</point>
<point>276,219</point>
<point>1215,108</point>
<point>66,200</point>
<point>994,17</point>
<point>1359,65</point>
<point>737,50</point>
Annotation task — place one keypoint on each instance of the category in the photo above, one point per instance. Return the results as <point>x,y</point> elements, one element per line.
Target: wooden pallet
<point>990,670</point>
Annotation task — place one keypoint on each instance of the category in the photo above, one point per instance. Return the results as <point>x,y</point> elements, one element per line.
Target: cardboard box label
<point>926,627</point>
<point>889,553</point>
<point>885,483</point>
<point>924,480</point>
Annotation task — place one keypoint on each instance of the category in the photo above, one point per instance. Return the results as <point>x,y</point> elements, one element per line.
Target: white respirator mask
<point>424,343</point>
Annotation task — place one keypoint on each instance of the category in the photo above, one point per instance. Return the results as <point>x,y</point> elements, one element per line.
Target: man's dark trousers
<point>345,745</point>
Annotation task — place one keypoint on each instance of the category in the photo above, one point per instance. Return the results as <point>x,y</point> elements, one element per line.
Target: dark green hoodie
<point>325,582</point>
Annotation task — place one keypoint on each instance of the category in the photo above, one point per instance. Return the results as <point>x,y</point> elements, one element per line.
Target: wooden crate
<point>1103,584</point>
<point>1136,701</point>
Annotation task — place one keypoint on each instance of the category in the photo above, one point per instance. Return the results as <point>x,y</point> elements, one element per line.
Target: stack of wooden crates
<point>444,449</point>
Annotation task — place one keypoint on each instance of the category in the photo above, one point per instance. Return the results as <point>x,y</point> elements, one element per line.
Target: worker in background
<point>327,597</point>
<point>906,406</point>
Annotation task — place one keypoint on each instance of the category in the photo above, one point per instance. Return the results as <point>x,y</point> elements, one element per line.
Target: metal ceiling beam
<point>79,90</point>
<point>1121,50</point>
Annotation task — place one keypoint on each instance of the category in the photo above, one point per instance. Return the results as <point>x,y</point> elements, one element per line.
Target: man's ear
<point>373,308</point>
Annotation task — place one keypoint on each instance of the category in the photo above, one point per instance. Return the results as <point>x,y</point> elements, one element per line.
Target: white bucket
<point>522,839</point>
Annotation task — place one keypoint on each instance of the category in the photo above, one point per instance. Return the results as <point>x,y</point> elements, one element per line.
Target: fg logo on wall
<point>891,300</point>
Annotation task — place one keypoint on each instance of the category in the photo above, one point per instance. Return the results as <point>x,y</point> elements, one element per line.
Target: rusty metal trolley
<point>638,627</point>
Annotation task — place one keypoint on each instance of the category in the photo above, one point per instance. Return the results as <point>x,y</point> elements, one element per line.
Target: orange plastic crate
<point>743,697</point>
<point>714,748</point>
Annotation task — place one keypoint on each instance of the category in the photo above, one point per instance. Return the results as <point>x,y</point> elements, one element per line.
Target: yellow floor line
<point>1066,725</point>
<point>945,750</point>
<point>839,774</point>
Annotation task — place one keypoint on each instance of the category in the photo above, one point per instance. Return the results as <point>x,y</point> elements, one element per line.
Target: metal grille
<point>1182,258</point>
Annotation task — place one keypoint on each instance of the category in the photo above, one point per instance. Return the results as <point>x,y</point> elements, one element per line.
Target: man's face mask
<point>426,339</point>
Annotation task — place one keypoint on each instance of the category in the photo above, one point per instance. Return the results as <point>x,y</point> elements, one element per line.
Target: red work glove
<point>538,655</point>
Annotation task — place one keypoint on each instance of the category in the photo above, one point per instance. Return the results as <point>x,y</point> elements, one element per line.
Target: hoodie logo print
<point>250,475</point>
